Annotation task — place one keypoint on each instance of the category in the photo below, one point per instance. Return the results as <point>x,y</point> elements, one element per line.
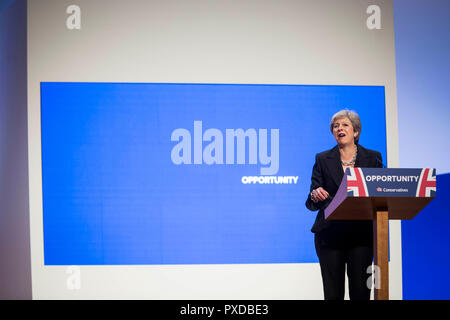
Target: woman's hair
<point>352,116</point>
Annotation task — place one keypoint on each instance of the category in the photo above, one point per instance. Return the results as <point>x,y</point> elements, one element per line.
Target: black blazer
<point>328,173</point>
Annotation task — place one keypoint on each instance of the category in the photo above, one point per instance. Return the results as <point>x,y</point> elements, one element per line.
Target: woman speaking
<point>341,243</point>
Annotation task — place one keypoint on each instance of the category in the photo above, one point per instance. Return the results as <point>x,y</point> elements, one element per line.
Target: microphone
<point>379,161</point>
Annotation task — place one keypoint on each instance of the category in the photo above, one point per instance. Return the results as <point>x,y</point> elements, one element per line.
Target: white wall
<point>423,49</point>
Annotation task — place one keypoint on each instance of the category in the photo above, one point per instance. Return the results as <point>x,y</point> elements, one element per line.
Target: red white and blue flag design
<point>356,184</point>
<point>427,183</point>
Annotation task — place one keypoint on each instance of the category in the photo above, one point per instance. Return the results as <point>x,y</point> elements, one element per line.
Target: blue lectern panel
<point>188,173</point>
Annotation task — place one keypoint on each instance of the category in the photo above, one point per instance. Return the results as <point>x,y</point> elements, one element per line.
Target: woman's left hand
<point>319,194</point>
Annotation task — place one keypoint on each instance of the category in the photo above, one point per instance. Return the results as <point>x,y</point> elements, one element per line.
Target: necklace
<point>351,162</point>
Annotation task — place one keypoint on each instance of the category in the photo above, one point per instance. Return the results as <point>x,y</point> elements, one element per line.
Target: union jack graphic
<point>427,183</point>
<point>356,184</point>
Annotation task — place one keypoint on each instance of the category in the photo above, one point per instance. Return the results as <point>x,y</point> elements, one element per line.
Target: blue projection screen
<point>143,173</point>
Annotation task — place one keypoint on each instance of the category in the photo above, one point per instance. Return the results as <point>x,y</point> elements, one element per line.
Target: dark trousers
<point>333,257</point>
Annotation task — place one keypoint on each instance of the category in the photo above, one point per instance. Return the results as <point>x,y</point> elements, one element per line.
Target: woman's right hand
<point>319,194</point>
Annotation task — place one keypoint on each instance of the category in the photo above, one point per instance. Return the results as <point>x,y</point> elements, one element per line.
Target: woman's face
<point>343,131</point>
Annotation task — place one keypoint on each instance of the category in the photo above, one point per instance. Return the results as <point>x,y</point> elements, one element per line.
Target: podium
<point>380,195</point>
